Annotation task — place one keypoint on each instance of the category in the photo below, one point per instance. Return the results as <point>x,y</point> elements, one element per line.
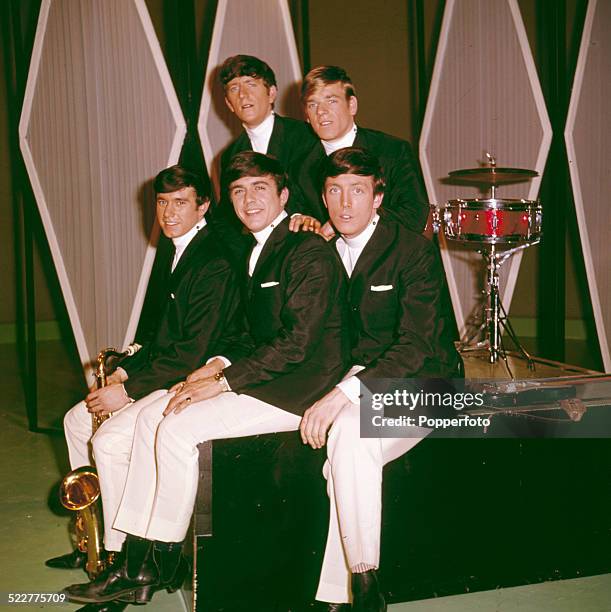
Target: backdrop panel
<point>484,97</point>
<point>588,140</point>
<point>100,118</point>
<point>258,27</point>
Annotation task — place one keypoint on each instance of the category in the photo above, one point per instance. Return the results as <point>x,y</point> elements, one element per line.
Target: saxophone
<point>79,490</point>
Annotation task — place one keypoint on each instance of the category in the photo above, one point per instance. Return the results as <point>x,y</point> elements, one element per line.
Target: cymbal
<point>491,175</point>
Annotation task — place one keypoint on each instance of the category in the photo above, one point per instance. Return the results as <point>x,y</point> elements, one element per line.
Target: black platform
<point>459,516</point>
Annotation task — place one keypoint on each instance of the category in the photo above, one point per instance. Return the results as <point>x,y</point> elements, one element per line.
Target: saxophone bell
<point>79,490</point>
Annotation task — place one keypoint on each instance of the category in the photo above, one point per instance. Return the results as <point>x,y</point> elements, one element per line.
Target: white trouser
<point>354,483</point>
<point>78,428</point>
<point>112,445</point>
<point>163,473</point>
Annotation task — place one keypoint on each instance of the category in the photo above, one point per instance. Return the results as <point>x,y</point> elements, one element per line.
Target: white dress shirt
<point>350,250</point>
<point>347,140</point>
<point>260,136</point>
<point>182,242</point>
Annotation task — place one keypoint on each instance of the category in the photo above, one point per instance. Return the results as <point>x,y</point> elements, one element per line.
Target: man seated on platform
<point>399,330</point>
<point>330,105</point>
<point>250,93</point>
<point>296,318</point>
<point>200,304</point>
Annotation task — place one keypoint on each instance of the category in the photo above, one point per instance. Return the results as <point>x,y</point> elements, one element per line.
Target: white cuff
<point>351,387</point>
<point>296,215</point>
<point>223,359</point>
<point>130,400</point>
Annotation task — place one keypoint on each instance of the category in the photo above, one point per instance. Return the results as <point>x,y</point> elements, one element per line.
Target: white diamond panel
<point>587,136</point>
<point>261,28</point>
<point>100,119</point>
<point>484,96</point>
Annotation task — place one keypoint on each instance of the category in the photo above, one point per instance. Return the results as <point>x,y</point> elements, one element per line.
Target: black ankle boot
<point>134,576</point>
<point>366,593</point>
<point>74,560</point>
<point>172,565</point>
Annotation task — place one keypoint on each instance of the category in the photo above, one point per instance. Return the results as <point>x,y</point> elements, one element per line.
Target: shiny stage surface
<point>477,365</point>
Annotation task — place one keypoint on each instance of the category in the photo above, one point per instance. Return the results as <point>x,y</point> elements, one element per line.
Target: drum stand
<point>496,320</point>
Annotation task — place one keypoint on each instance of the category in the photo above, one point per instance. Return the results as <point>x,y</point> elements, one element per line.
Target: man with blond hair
<point>330,104</point>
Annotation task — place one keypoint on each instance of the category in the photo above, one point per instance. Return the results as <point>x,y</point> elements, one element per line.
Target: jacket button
<point>355,308</point>
<point>172,296</point>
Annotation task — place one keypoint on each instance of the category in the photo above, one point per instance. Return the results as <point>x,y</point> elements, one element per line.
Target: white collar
<point>181,242</point>
<point>262,235</point>
<point>359,242</point>
<point>347,140</point>
<point>265,127</point>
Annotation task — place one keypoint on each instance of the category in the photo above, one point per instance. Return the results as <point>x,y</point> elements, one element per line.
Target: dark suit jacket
<point>201,301</point>
<point>290,140</point>
<point>401,325</point>
<point>404,196</point>
<point>296,315</point>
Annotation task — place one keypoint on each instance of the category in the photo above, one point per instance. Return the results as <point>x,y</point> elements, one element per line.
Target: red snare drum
<point>492,221</point>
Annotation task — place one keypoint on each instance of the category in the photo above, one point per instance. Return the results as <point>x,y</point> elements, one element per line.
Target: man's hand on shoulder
<point>320,416</point>
<point>326,231</point>
<point>304,223</point>
<point>107,399</point>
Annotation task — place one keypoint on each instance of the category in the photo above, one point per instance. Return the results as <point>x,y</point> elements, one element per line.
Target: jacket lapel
<point>361,138</point>
<point>273,244</point>
<point>249,282</point>
<point>314,161</point>
<point>274,146</point>
<point>339,258</point>
<point>190,252</point>
<point>242,143</point>
<point>379,243</point>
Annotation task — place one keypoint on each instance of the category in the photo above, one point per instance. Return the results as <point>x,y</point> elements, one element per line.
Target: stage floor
<point>34,528</point>
<point>477,365</point>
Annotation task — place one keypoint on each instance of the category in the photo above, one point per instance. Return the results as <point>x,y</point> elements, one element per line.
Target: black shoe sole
<point>139,595</point>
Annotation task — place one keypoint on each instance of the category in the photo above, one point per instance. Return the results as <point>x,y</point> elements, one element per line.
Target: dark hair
<point>326,75</point>
<point>354,160</point>
<point>176,177</point>
<point>246,65</point>
<point>250,163</point>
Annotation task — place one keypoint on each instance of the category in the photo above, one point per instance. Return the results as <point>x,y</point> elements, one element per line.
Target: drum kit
<point>500,228</point>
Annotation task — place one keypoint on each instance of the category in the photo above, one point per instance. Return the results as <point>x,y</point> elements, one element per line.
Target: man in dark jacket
<point>201,304</point>
<point>250,93</point>
<point>330,104</point>
<point>298,350</point>
<point>400,330</point>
